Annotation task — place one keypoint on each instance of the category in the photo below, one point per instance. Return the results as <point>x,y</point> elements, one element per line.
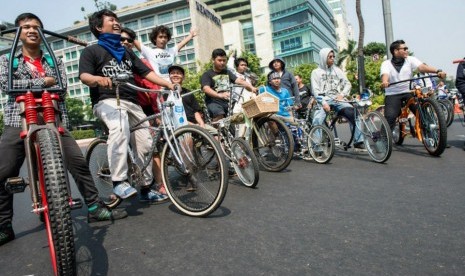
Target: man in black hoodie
<point>460,81</point>
<point>287,78</point>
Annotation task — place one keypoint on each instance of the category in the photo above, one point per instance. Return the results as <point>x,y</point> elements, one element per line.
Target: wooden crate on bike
<point>261,105</point>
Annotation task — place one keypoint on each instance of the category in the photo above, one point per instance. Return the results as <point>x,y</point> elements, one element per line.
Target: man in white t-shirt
<point>161,57</point>
<point>400,67</point>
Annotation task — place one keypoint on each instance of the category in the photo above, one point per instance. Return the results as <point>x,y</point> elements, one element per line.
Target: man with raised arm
<point>33,70</point>
<point>97,65</point>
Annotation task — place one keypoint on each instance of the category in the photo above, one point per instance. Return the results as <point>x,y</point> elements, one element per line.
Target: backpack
<point>48,59</point>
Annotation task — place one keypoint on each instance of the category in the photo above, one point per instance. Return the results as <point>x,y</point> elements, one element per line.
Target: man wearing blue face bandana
<point>97,65</point>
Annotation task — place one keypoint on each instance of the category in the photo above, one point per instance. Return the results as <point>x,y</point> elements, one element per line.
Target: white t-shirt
<point>411,63</point>
<point>160,59</point>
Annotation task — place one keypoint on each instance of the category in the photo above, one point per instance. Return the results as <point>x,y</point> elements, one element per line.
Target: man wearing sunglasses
<point>400,67</point>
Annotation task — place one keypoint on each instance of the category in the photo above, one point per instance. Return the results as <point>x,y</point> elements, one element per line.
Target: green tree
<point>349,54</point>
<point>305,71</point>
<point>75,111</point>
<point>375,48</point>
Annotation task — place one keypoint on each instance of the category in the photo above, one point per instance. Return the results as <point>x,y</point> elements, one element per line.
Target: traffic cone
<point>457,109</point>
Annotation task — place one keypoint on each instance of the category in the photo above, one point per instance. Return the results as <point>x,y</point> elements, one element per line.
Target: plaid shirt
<point>25,78</point>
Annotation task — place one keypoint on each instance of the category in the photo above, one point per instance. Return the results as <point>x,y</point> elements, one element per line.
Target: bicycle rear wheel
<point>97,159</point>
<point>55,201</point>
<point>201,188</point>
<point>273,144</point>
<point>448,109</point>
<point>433,127</point>
<point>320,143</point>
<point>343,131</point>
<point>377,136</point>
<point>245,162</point>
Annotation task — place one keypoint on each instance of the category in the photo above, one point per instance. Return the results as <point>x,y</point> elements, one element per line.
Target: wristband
<point>438,71</point>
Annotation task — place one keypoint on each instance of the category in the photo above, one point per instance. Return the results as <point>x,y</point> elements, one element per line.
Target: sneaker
<point>359,145</point>
<point>99,212</point>
<point>151,196</point>
<point>6,234</point>
<point>192,186</point>
<point>124,190</point>
<point>231,171</point>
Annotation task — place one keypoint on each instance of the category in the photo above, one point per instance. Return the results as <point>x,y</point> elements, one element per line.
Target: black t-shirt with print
<point>190,105</point>
<point>97,61</point>
<point>219,82</point>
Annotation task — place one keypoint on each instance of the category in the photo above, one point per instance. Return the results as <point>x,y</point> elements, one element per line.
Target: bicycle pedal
<point>15,185</point>
<point>75,204</point>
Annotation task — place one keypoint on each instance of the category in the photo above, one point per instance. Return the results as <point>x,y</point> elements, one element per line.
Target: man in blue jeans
<point>331,86</point>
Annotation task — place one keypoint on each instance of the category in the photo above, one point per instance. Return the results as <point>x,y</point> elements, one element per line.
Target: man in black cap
<point>287,78</point>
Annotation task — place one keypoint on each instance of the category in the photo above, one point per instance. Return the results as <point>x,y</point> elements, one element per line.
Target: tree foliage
<point>349,54</point>
<point>305,71</point>
<point>75,111</point>
<point>375,48</point>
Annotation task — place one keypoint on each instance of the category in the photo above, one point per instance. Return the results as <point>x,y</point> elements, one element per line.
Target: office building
<point>343,30</point>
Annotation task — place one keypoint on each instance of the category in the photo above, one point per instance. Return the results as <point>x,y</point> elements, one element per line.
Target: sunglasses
<point>405,48</point>
<point>130,40</point>
<point>331,56</point>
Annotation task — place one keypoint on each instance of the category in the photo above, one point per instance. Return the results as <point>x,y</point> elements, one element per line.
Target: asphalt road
<point>349,217</point>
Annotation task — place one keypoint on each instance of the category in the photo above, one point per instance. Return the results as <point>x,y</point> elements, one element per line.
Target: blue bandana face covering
<point>112,43</point>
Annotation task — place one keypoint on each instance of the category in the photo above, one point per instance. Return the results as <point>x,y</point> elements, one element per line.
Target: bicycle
<point>47,173</point>
<point>316,141</point>
<point>374,128</point>
<point>269,137</point>
<point>237,150</point>
<point>186,155</point>
<point>430,126</point>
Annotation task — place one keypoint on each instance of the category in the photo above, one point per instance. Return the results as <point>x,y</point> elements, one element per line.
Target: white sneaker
<point>124,190</point>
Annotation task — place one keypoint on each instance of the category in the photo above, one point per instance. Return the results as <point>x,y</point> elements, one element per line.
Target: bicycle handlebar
<point>68,38</point>
<point>414,79</point>
<point>147,90</point>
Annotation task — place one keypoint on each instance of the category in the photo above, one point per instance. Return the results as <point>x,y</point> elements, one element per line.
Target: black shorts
<point>217,108</point>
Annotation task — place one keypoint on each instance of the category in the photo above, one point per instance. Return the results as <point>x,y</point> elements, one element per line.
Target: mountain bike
<point>315,141</point>
<point>47,173</point>
<point>194,169</point>
<point>374,128</point>
<point>429,124</point>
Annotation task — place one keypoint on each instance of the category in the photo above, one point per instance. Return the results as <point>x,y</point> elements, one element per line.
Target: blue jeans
<point>320,115</point>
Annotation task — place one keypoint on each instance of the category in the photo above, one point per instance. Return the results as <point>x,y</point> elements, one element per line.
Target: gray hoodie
<point>329,81</point>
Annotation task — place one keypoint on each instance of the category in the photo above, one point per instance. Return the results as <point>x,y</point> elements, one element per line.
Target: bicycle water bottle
<point>178,114</point>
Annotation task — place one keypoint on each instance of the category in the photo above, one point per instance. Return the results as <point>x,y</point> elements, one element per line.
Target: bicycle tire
<point>321,144</point>
<point>245,163</point>
<point>398,133</point>
<point>433,127</point>
<point>277,151</point>
<point>343,131</point>
<point>449,108</point>
<point>202,191</point>
<point>377,136</point>
<point>97,159</point>
<point>444,110</point>
<point>55,201</point>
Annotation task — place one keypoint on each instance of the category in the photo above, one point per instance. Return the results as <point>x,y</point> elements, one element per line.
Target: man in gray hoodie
<point>287,78</point>
<point>330,87</point>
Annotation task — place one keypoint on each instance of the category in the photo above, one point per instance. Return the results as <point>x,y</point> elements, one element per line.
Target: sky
<point>432,29</point>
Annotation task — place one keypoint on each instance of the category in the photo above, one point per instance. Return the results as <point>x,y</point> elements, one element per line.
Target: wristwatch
<point>438,71</point>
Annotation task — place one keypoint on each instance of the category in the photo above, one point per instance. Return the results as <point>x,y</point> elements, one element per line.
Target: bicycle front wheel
<point>433,127</point>
<point>97,159</point>
<point>55,201</point>
<point>201,187</point>
<point>377,136</point>
<point>245,162</point>
<point>320,143</point>
<point>273,144</point>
